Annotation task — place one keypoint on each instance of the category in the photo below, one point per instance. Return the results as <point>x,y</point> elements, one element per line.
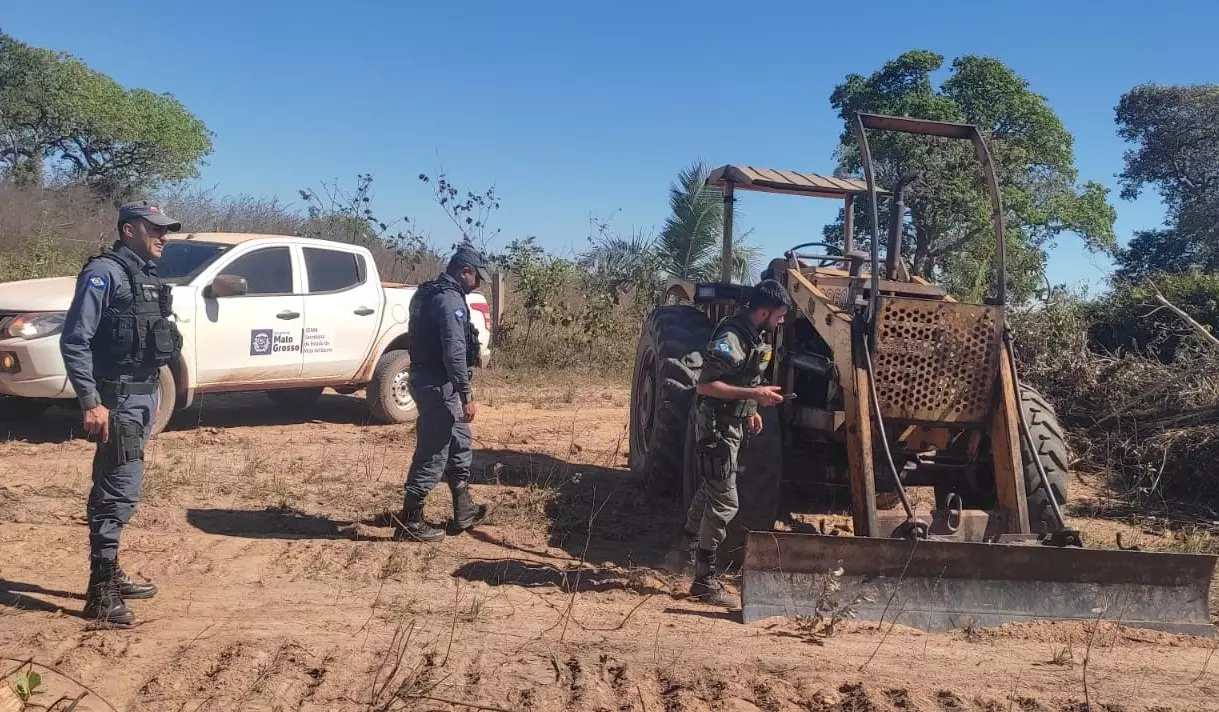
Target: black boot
<point>129,589</point>
<point>465,514</point>
<point>681,558</point>
<point>411,525</point>
<point>103,601</point>
<point>706,587</point>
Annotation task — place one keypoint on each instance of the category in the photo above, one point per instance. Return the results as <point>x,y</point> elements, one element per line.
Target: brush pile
<point>1149,416</point>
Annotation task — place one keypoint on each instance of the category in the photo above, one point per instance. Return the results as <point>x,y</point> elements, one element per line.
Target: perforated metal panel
<point>936,361</point>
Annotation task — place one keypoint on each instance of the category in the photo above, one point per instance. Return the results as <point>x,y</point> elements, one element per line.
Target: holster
<point>474,355</point>
<point>126,441</point>
<point>712,460</point>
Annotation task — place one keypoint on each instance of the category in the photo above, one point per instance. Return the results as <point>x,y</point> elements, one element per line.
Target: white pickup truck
<point>285,315</point>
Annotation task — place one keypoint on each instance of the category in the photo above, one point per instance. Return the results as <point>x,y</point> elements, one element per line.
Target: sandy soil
<point>280,590</point>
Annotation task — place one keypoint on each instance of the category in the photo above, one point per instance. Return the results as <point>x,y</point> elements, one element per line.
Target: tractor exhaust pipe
<point>897,213</point>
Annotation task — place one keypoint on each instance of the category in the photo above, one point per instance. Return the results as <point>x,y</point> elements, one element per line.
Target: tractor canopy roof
<point>768,180</point>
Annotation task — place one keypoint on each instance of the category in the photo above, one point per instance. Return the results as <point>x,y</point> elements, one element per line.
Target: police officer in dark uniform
<point>444,351</point>
<point>728,395</point>
<point>116,336</point>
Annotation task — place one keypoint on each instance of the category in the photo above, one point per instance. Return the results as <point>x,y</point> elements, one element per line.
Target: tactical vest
<point>138,339</point>
<point>427,353</point>
<point>752,372</point>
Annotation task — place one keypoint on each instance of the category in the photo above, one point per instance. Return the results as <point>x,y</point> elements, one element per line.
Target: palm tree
<point>689,243</point>
<point>617,263</point>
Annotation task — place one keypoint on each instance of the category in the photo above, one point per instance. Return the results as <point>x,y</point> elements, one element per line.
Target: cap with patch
<point>467,255</point>
<point>150,212</point>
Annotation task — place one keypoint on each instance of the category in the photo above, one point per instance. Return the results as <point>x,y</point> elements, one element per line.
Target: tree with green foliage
<point>1175,135</point>
<point>951,240</point>
<point>690,241</point>
<point>57,113</point>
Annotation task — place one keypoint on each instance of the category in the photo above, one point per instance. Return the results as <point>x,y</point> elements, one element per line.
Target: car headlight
<point>34,326</point>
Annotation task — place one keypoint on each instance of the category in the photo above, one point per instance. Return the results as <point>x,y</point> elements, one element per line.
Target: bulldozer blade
<point>939,585</point>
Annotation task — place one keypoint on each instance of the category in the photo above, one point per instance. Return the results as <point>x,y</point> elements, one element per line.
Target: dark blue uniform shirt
<point>100,286</point>
<point>451,314</point>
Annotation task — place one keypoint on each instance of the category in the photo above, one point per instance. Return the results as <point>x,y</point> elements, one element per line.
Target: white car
<point>275,313</point>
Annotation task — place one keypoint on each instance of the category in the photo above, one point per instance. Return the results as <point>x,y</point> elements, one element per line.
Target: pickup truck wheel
<point>166,400</point>
<point>294,398</point>
<point>389,399</point>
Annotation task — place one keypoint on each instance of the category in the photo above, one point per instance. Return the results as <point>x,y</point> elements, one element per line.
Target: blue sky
<point>577,108</point>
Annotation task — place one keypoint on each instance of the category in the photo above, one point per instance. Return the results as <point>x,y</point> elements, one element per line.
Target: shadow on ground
<point>60,424</point>
<point>13,594</point>
<point>53,425</point>
<point>593,512</point>
<point>230,410</point>
<point>534,574</point>
<point>280,522</point>
<point>630,526</point>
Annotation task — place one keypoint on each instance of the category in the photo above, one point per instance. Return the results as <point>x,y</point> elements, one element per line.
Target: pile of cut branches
<point>1153,425</point>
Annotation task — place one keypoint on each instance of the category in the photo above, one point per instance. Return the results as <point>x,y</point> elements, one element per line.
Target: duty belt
<point>124,388</point>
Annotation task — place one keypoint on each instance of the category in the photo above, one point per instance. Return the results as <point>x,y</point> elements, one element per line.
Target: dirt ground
<point>280,588</point>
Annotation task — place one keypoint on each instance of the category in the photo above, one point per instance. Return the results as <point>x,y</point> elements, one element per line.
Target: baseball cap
<point>150,212</point>
<point>769,294</point>
<point>467,255</point>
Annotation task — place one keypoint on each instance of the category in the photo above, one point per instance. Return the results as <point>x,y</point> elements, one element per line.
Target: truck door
<point>253,337</point>
<point>343,306</point>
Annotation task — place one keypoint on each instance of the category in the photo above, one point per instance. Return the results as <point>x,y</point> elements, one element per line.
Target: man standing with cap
<point>116,336</point>
<point>444,350</point>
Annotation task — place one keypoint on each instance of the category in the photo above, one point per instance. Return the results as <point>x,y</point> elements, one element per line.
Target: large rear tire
<point>389,399</point>
<point>167,400</point>
<point>1054,454</point>
<point>668,359</point>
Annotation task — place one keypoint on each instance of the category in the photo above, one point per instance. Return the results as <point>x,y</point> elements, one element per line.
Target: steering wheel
<point>823,260</point>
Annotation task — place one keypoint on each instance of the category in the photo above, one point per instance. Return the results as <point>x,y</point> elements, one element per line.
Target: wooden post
<point>859,454</point>
<point>726,256</point>
<point>1005,449</point>
<point>848,223</point>
<point>497,306</point>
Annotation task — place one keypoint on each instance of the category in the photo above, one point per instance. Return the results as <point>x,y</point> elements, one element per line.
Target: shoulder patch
<point>459,313</point>
<point>97,281</point>
<point>723,346</point>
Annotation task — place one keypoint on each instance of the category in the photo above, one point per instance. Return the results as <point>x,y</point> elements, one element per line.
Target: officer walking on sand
<point>444,350</point>
<point>728,395</point>
<point>116,335</point>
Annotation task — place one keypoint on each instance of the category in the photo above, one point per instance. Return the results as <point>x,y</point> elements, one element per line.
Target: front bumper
<point>39,370</point>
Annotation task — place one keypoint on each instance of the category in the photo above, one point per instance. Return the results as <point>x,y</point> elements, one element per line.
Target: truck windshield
<point>181,259</point>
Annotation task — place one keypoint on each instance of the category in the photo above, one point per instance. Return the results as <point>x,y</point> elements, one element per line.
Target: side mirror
<point>226,285</point>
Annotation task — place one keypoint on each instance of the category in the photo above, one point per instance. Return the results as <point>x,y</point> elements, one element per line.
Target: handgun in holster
<point>124,444</point>
<point>474,355</point>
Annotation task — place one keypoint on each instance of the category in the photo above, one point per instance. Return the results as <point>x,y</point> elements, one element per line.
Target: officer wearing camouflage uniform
<point>444,350</point>
<point>728,394</point>
<point>116,336</point>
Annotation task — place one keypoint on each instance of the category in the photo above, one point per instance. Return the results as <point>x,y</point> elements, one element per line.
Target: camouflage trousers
<point>715,502</point>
